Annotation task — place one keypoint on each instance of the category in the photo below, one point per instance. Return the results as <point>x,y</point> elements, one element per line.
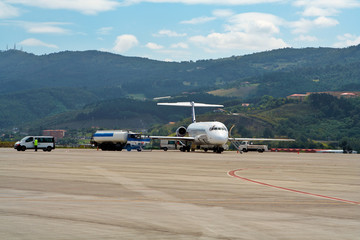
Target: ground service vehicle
<point>168,145</point>
<point>111,140</point>
<point>117,140</point>
<point>136,141</point>
<point>47,143</point>
<point>246,146</point>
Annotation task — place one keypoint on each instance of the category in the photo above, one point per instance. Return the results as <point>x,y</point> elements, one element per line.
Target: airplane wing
<point>173,138</point>
<point>262,139</point>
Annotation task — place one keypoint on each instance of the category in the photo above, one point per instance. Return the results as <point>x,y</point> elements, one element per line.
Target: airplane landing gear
<point>185,149</point>
<point>218,149</point>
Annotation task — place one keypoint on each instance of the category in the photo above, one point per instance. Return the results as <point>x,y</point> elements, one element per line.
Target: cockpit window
<point>214,128</point>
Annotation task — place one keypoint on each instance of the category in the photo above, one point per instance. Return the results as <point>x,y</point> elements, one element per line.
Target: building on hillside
<point>349,95</point>
<point>57,134</point>
<point>339,94</point>
<point>297,96</point>
<point>301,97</point>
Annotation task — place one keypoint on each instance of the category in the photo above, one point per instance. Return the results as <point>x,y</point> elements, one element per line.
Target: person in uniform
<point>35,144</point>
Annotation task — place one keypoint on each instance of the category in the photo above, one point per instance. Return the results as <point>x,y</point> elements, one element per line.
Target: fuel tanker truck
<point>116,140</point>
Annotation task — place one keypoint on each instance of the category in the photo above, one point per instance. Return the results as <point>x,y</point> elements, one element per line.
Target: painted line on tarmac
<point>233,174</point>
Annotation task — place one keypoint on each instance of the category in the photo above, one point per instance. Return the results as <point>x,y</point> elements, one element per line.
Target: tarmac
<point>90,194</point>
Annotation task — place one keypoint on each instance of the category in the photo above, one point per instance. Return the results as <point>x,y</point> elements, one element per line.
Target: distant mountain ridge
<point>35,87</point>
<point>96,71</point>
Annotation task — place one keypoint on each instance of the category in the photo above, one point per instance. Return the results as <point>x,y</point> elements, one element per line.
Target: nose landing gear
<point>218,149</point>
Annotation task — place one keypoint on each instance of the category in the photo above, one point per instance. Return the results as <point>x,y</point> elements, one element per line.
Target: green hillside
<point>122,113</point>
<point>91,88</point>
<point>25,107</point>
<point>111,76</point>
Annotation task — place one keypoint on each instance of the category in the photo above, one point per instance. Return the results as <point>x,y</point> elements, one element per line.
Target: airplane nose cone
<point>220,139</point>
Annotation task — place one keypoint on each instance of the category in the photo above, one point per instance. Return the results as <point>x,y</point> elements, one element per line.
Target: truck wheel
<point>165,149</point>
<point>260,150</point>
<point>128,148</point>
<point>49,149</point>
<point>23,148</point>
<point>244,150</point>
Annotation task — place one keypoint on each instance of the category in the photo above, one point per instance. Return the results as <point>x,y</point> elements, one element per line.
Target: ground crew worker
<point>36,144</point>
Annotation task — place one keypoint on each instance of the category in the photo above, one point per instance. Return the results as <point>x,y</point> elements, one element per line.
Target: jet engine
<point>181,131</point>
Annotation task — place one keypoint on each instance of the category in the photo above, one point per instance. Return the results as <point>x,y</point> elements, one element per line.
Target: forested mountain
<point>79,85</point>
<point>111,75</point>
<point>25,107</point>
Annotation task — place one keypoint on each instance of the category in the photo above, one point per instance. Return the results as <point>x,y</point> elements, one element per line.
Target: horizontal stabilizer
<point>189,104</point>
<point>262,139</point>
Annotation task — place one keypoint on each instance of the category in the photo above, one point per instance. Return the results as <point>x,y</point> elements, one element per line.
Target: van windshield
<point>28,139</point>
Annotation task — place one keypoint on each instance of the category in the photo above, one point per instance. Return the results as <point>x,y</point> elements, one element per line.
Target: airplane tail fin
<point>190,104</point>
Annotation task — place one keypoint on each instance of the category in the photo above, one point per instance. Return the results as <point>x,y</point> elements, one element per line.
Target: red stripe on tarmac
<point>233,174</point>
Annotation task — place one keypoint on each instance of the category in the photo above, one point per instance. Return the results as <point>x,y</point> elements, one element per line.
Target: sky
<point>177,30</point>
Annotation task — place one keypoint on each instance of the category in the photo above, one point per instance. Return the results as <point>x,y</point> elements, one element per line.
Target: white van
<point>46,143</point>
<point>168,145</point>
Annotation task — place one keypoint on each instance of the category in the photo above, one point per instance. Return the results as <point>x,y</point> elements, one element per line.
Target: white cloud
<point>236,41</point>
<point>180,45</point>
<point>83,6</point>
<point>326,4</point>
<point>32,42</point>
<point>199,20</point>
<point>325,22</point>
<point>244,32</point>
<point>312,11</point>
<point>347,40</point>
<point>104,30</point>
<point>124,43</point>
<point>154,46</point>
<point>301,26</point>
<point>46,28</point>
<point>305,25</point>
<point>8,11</point>
<point>253,22</point>
<point>306,38</point>
<point>169,33</point>
<point>320,13</point>
<point>221,13</point>
<point>205,2</point>
<point>325,8</point>
<point>168,60</point>
<point>41,27</point>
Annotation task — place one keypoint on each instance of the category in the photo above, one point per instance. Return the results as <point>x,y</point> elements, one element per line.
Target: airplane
<point>204,135</point>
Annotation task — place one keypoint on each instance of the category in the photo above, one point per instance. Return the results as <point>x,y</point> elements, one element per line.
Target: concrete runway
<point>89,194</point>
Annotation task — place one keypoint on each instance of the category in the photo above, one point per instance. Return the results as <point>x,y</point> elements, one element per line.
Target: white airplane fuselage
<point>208,133</point>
